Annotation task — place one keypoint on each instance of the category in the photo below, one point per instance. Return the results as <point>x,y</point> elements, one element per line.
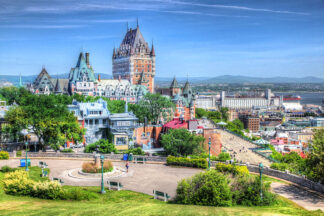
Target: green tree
<point>239,124</point>
<point>180,142</point>
<point>201,113</point>
<point>315,160</point>
<point>224,112</point>
<point>153,106</point>
<point>51,122</point>
<point>104,147</point>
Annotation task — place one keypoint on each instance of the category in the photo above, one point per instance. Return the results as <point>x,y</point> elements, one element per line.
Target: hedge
<point>188,162</point>
<point>4,155</point>
<point>235,170</point>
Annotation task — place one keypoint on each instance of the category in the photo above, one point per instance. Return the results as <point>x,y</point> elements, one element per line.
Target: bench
<point>117,185</point>
<point>140,160</point>
<point>42,164</point>
<point>163,195</point>
<point>59,180</point>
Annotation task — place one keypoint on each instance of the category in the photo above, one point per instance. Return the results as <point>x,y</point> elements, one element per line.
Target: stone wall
<point>90,155</point>
<point>299,180</point>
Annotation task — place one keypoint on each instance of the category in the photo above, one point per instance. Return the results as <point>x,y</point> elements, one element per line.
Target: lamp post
<point>25,133</point>
<point>102,158</point>
<point>260,170</point>
<point>209,145</point>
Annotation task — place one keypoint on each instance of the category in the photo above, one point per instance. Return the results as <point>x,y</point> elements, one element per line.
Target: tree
<point>201,113</point>
<point>153,106</point>
<point>239,124</point>
<point>104,147</point>
<point>224,112</point>
<point>51,122</point>
<point>315,160</point>
<point>180,142</point>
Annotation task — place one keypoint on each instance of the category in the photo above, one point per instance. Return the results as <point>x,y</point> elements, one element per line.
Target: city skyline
<point>194,38</point>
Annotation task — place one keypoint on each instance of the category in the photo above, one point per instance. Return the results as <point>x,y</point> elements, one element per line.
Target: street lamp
<point>25,133</point>
<point>209,145</point>
<point>102,158</point>
<point>260,170</point>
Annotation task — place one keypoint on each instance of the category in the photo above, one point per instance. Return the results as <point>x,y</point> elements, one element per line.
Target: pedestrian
<point>127,165</point>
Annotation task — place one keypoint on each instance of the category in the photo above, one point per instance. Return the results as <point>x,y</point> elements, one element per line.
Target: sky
<point>260,38</point>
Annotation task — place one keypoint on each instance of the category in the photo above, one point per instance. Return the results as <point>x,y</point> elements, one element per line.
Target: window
<point>96,121</point>
<point>121,141</point>
<point>148,134</point>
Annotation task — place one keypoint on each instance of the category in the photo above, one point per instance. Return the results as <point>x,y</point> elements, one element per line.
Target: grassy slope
<point>130,203</point>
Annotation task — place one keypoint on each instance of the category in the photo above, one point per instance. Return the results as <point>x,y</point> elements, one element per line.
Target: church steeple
<point>20,81</point>
<point>152,50</point>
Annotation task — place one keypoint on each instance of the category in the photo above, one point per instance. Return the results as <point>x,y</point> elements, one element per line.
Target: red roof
<point>292,99</point>
<point>302,155</point>
<point>176,123</point>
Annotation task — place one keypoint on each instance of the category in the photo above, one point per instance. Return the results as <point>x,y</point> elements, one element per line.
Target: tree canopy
<point>49,119</point>
<point>180,142</point>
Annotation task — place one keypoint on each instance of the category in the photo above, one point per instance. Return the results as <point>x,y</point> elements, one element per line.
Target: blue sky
<point>196,38</point>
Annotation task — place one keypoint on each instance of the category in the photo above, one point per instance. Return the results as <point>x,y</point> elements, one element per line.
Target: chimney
<point>87,58</point>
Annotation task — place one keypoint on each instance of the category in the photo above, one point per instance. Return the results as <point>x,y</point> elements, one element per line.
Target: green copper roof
<point>82,70</point>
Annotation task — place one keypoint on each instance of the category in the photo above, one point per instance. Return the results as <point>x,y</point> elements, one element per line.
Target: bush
<point>246,191</point>
<point>206,188</point>
<point>235,170</point>
<point>6,169</point>
<point>223,156</point>
<point>135,151</point>
<point>188,162</point>
<point>18,154</point>
<point>67,150</point>
<point>104,147</point>
<point>19,183</point>
<point>279,166</point>
<point>90,167</point>
<point>4,155</point>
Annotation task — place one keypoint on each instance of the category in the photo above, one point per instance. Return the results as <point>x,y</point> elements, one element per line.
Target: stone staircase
<point>241,149</point>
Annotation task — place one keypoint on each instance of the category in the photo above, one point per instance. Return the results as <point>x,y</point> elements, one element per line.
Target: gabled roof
<point>81,69</point>
<point>58,89</point>
<point>41,75</point>
<point>186,88</point>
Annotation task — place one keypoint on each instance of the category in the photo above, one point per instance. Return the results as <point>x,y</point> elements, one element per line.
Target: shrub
<point>18,154</point>
<point>235,170</point>
<point>17,183</point>
<point>206,188</point>
<point>78,194</point>
<point>104,147</point>
<point>188,162</point>
<point>135,151</point>
<point>4,155</point>
<point>279,166</point>
<point>90,167</point>
<point>246,191</point>
<point>67,150</point>
<point>223,156</point>
<point>6,169</point>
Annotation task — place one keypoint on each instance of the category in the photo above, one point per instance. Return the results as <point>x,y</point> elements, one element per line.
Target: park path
<point>145,178</point>
<point>303,197</point>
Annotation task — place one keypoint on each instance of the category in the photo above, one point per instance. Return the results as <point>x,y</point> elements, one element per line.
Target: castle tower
<point>134,60</point>
<point>174,88</point>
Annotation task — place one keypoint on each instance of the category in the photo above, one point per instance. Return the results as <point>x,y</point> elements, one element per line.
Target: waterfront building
<point>134,60</point>
<point>317,122</point>
<point>292,104</point>
<point>209,102</point>
<point>251,102</point>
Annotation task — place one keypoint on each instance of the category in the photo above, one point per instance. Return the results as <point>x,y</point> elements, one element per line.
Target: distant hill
<point>241,79</point>
<point>29,79</point>
<point>164,81</point>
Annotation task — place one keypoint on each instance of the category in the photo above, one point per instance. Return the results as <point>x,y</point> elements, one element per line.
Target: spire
<point>137,22</point>
<point>20,81</point>
<point>114,53</point>
<point>174,83</point>
<point>152,50</point>
<point>127,26</point>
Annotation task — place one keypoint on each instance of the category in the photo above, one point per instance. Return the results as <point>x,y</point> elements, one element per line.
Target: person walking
<point>127,165</point>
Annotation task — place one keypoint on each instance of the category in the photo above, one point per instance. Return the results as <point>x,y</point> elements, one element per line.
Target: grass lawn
<point>126,203</point>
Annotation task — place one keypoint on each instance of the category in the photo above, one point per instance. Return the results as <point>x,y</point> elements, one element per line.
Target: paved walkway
<point>145,178</point>
<point>304,198</point>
